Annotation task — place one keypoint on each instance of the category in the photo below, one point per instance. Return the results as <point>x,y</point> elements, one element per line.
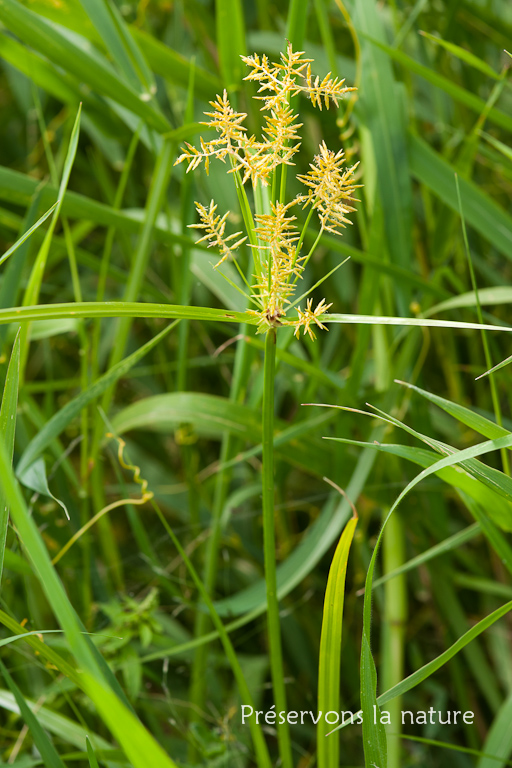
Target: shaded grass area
<point>135,653</point>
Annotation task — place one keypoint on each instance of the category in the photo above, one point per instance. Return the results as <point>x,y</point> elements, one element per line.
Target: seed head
<point>331,189</point>
<point>214,227</point>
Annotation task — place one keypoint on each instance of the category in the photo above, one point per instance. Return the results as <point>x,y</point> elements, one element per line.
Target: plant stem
<point>274,629</point>
<point>263,758</point>
<point>488,360</point>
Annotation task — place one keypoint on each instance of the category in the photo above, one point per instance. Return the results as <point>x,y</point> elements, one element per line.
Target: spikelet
<point>214,227</point>
<point>309,316</point>
<point>331,189</point>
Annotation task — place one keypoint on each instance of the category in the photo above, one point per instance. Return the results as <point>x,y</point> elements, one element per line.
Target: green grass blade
<point>471,100</point>
<point>59,421</point>
<point>155,201</point>
<point>499,294</point>
<point>99,309</point>
<point>498,743</point>
<point>36,277</point>
<point>452,542</point>
<point>45,747</point>
<point>63,728</point>
<point>142,750</point>
<point>480,211</point>
<point>229,17</point>
<point>40,559</point>
<point>174,67</point>
<point>93,763</point>
<point>463,54</point>
<point>330,648</point>
<point>7,429</point>
<point>427,670</point>
<point>296,22</point>
<point>108,23</point>
<point>73,53</point>
<point>496,367</point>
<point>470,418</point>
<point>27,234</point>
<point>384,116</point>
<point>410,321</point>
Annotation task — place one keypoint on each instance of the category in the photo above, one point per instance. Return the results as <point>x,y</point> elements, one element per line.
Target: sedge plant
<point>276,246</point>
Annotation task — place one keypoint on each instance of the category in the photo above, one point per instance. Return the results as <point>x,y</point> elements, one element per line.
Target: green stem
<point>274,628</point>
<point>311,252</point>
<point>199,667</point>
<point>485,342</point>
<point>302,235</point>
<point>262,755</point>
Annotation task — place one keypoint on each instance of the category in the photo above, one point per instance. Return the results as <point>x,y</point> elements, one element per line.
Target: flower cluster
<point>274,238</point>
<point>214,227</point>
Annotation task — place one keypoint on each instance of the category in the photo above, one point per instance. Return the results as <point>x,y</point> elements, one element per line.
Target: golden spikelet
<point>331,189</point>
<point>311,316</point>
<point>214,226</point>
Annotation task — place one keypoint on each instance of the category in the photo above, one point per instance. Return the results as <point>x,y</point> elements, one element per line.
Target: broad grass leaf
<point>125,55</point>
<point>499,294</point>
<point>381,111</point>
<point>211,416</point>
<point>470,418</point>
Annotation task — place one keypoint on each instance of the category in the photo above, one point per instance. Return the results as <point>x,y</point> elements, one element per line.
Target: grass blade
<point>27,234</point>
<point>330,648</point>
<point>93,763</point>
<point>45,747</point>
<point>62,418</point>
<point>7,429</point>
<point>73,53</point>
<point>230,31</point>
<point>482,213</point>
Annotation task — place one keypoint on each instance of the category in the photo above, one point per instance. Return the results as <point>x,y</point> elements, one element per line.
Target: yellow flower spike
<point>214,227</point>
<point>330,184</point>
<point>309,316</point>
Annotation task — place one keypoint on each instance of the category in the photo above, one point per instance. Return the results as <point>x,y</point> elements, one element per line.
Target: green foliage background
<point>434,105</point>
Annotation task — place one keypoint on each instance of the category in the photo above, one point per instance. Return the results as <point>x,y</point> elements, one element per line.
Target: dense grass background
<point>434,103</point>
